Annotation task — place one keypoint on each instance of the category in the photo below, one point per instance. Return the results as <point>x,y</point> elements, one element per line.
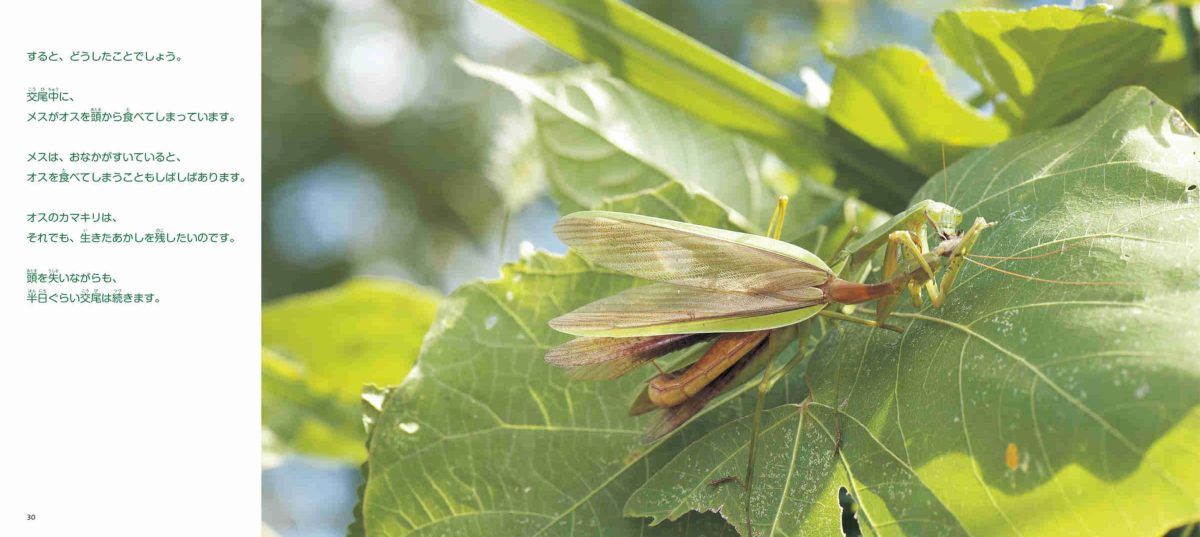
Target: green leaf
<point>297,418</point>
<point>892,98</point>
<point>515,165</point>
<point>321,348</point>
<point>604,144</point>
<point>1174,46</point>
<point>1092,386</point>
<point>667,64</point>
<point>1046,65</point>
<point>1171,75</point>
<point>374,399</point>
<point>599,138</point>
<point>811,502</point>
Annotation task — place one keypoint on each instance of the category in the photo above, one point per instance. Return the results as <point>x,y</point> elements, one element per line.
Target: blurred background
<point>381,157</point>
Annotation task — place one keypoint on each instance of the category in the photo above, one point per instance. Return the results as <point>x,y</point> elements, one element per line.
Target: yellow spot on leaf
<point>1011,456</point>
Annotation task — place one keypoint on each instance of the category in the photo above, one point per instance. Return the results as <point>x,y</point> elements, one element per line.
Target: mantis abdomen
<point>667,390</point>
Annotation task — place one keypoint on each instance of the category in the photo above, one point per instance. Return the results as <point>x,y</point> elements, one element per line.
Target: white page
<point>132,419</point>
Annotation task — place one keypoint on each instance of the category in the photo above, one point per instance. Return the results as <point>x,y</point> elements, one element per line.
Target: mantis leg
<point>905,239</point>
<point>852,319</point>
<point>912,249</point>
<point>775,228</point>
<point>936,296</point>
<point>960,253</point>
<point>917,252</point>
<point>887,303</point>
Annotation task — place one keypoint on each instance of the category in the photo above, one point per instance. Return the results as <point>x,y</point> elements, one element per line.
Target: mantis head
<point>956,244</point>
<point>944,219</point>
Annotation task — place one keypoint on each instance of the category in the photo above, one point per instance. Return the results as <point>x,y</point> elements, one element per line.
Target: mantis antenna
<point>945,178</point>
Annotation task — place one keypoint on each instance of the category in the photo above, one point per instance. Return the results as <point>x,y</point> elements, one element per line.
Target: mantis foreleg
<point>967,242</point>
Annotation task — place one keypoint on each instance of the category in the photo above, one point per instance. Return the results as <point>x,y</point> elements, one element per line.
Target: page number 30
<point>30,516</point>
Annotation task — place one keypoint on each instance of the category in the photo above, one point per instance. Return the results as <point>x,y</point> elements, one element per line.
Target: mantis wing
<point>662,308</point>
<point>605,358</point>
<point>691,255</point>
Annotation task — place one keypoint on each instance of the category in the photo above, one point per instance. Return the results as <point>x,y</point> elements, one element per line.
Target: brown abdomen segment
<point>671,390</point>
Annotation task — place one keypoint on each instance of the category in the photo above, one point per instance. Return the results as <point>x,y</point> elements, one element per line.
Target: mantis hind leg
<point>775,228</point>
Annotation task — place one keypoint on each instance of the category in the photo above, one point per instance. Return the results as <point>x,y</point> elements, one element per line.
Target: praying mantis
<point>735,288</point>
<point>750,295</point>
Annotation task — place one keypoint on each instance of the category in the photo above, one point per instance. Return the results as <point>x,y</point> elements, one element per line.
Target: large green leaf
<point>603,142</point>
<point>374,398</point>
<point>599,138</point>
<point>1171,75</point>
<point>515,164</point>
<point>321,348</point>
<point>667,64</point>
<point>1049,64</point>
<point>892,98</point>
<point>1091,387</point>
